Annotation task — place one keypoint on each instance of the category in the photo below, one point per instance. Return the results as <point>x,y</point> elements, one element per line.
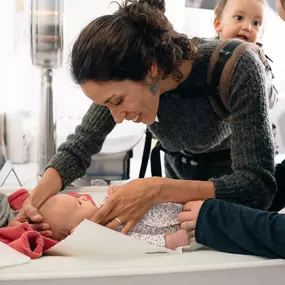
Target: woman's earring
<point>153,87</point>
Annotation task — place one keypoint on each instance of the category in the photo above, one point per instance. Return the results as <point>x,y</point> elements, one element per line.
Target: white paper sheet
<point>11,257</point>
<point>90,239</point>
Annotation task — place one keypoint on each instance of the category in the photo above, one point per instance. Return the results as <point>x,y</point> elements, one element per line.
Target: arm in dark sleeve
<point>74,155</point>
<point>239,229</point>
<point>252,183</point>
<point>279,199</point>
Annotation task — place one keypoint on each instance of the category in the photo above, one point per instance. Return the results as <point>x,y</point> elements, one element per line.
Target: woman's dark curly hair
<point>124,45</point>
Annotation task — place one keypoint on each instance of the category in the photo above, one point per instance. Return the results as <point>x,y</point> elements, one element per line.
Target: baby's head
<point>242,19</point>
<point>64,212</point>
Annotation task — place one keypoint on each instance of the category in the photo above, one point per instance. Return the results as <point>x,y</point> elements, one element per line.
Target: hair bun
<point>156,4</point>
<point>149,18</point>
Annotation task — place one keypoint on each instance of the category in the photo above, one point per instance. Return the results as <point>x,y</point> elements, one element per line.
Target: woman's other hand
<point>127,204</point>
<point>189,216</point>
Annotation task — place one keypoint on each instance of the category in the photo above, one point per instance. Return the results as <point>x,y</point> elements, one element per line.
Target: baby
<point>159,226</point>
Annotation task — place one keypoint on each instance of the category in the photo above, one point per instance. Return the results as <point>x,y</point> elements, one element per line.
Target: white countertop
<point>199,267</point>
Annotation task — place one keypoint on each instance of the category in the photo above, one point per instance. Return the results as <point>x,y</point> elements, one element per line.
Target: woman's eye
<point>239,17</point>
<point>117,102</point>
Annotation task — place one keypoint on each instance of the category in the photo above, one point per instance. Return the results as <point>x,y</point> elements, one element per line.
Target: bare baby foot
<point>180,238</point>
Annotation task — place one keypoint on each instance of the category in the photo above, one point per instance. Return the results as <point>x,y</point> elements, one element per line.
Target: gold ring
<point>118,220</point>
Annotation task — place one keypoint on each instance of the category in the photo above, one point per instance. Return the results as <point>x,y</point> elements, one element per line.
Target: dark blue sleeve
<point>238,229</point>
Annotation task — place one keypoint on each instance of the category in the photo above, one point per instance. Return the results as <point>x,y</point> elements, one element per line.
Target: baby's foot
<point>180,238</point>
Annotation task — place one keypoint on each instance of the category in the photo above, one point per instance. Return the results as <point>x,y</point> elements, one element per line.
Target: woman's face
<point>127,100</point>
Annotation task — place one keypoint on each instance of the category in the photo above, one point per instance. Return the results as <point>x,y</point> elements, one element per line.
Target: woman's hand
<point>29,213</point>
<point>189,216</point>
<point>127,204</point>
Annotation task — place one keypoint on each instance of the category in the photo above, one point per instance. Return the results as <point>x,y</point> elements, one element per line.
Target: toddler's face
<point>64,212</point>
<point>241,19</point>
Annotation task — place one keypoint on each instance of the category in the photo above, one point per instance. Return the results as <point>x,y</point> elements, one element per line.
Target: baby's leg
<point>177,239</point>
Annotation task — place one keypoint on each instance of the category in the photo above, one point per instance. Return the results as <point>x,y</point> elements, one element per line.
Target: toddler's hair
<point>221,5</point>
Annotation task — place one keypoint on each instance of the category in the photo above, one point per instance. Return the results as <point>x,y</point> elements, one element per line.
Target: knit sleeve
<point>252,182</point>
<point>74,155</point>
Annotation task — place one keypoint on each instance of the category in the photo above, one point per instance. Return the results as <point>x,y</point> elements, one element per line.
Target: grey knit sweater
<point>188,123</point>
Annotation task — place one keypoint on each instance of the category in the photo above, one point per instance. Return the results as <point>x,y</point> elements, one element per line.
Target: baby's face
<point>64,212</point>
<point>241,19</point>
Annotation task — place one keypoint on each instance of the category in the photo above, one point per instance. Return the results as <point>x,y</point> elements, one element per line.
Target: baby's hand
<point>189,216</point>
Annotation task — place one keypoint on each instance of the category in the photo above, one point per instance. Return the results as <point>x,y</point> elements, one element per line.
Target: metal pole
<point>47,125</point>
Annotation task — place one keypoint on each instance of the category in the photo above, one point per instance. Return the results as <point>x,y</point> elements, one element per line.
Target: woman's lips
<point>135,119</point>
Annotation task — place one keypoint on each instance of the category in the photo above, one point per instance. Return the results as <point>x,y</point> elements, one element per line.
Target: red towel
<point>17,198</point>
<point>23,238</point>
<point>81,195</point>
<point>26,240</point>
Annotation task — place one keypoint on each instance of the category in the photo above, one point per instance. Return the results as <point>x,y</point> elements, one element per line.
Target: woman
<point>134,66</point>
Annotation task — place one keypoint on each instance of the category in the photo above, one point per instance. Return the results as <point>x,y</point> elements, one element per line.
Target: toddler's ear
<point>217,25</point>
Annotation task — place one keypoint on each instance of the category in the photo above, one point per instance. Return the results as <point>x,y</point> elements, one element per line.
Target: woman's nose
<point>119,117</point>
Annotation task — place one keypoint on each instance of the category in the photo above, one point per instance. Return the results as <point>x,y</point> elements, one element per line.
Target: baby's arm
<point>273,94</point>
<point>171,241</point>
<point>238,229</point>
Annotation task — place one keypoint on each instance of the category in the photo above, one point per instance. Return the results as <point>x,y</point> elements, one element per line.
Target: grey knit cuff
<point>66,167</point>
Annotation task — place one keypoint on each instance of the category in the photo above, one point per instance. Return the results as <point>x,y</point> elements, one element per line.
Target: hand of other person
<point>189,216</point>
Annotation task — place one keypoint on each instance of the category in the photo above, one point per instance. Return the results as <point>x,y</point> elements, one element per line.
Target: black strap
<point>155,161</point>
<point>146,152</point>
<point>224,56</point>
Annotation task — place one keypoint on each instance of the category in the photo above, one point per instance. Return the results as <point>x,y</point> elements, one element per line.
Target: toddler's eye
<point>256,23</point>
<point>239,17</point>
